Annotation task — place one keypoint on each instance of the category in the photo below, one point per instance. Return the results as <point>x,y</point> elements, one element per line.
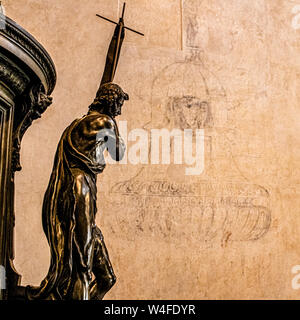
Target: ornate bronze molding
<point>26,42</point>
<point>12,76</point>
<point>27,78</point>
<point>33,103</point>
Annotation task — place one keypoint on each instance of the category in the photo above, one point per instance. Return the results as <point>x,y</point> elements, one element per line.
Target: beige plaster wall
<point>232,232</point>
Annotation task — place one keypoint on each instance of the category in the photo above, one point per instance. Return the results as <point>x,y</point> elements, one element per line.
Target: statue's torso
<point>89,139</point>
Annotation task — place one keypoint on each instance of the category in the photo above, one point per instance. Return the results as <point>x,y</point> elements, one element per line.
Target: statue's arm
<point>107,130</point>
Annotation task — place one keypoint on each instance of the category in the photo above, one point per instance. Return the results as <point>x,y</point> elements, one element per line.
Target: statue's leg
<point>102,269</point>
<point>83,241</point>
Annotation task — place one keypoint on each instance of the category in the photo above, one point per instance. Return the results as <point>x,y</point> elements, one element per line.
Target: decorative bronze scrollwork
<point>32,105</point>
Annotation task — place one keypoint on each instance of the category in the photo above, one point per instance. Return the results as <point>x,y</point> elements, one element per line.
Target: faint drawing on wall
<point>190,112</point>
<point>191,32</point>
<point>216,209</point>
<point>205,211</point>
<point>187,95</point>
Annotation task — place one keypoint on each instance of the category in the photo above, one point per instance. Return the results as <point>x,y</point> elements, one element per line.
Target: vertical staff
<point>118,47</point>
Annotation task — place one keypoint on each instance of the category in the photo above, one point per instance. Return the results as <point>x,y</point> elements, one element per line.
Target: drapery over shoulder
<point>58,216</point>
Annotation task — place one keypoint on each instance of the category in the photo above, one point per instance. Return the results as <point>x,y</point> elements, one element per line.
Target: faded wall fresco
<point>230,68</point>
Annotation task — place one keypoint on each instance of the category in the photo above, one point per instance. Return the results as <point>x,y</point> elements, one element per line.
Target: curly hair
<point>107,96</point>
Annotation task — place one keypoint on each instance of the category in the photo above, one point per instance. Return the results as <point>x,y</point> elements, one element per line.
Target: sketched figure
<point>191,112</point>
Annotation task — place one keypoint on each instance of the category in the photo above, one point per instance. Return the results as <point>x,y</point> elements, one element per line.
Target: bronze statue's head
<point>109,99</point>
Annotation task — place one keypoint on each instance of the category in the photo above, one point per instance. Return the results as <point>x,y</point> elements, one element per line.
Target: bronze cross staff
<point>115,47</point>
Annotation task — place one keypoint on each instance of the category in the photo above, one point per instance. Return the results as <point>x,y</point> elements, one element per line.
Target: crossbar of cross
<point>121,20</point>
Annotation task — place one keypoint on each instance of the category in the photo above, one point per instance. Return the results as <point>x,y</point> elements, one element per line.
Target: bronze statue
<point>77,247</point>
<point>69,207</point>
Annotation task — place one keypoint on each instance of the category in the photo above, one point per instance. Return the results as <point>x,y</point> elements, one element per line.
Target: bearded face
<point>115,108</point>
<point>110,99</point>
<point>195,112</point>
<point>191,112</point>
